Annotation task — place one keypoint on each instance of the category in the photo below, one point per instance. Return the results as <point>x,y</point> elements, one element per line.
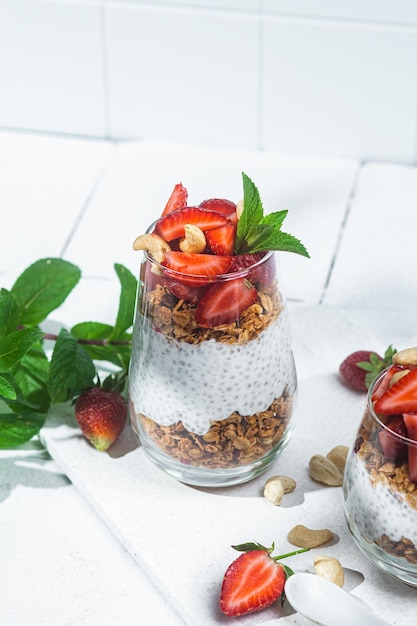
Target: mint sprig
<point>257,232</point>
<point>32,379</point>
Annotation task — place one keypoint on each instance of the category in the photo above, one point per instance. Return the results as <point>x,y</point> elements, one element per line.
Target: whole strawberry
<point>101,415</point>
<point>254,580</point>
<point>360,368</point>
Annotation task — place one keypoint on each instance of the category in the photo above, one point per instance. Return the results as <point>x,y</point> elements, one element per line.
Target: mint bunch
<point>257,232</point>
<point>32,381</point>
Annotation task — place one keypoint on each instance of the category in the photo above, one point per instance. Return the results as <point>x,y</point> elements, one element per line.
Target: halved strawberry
<point>263,273</point>
<point>252,582</point>
<point>223,303</point>
<point>385,382</point>
<point>222,240</point>
<point>172,225</point>
<point>177,199</point>
<point>392,447</point>
<point>401,397</point>
<point>410,421</point>
<point>219,204</point>
<point>196,269</point>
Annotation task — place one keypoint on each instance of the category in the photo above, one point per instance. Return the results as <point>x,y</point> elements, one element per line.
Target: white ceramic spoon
<point>327,604</point>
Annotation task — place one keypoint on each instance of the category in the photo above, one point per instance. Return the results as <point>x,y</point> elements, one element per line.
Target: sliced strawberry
<point>392,447</point>
<point>252,582</point>
<point>400,398</point>
<point>177,200</point>
<point>172,225</point>
<point>263,273</point>
<point>223,302</point>
<point>182,291</point>
<point>385,382</point>
<point>196,269</point>
<point>222,240</point>
<point>219,204</point>
<point>410,421</point>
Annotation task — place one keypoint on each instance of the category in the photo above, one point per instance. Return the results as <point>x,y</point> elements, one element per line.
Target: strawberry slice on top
<point>220,205</point>
<point>171,226</point>
<point>177,199</point>
<point>196,269</point>
<point>401,397</point>
<point>223,302</point>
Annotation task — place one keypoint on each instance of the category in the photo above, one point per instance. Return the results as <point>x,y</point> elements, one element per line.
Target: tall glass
<point>380,499</point>
<point>212,405</point>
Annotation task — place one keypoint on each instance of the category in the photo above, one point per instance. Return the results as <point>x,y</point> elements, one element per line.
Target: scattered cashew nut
<point>276,487</point>
<point>323,470</point>
<point>329,568</point>
<point>194,240</point>
<point>306,538</point>
<point>154,244</point>
<point>408,356</point>
<point>338,456</point>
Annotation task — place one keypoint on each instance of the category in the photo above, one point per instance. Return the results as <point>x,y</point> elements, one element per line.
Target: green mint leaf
<point>43,287</point>
<point>71,369</point>
<point>252,212</point>
<point>15,345</point>
<point>127,300</point>
<point>6,389</point>
<point>8,312</point>
<point>16,429</point>
<point>257,232</point>
<point>95,338</point>
<point>31,376</point>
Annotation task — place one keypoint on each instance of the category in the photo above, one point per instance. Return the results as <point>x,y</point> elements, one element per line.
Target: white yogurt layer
<point>172,380</point>
<point>376,510</point>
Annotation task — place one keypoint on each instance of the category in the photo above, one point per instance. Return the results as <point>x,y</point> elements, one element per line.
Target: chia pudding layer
<point>219,397</point>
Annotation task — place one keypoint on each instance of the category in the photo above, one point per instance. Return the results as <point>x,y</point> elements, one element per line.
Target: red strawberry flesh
<point>223,302</point>
<point>410,421</point>
<point>196,268</point>
<point>177,200</point>
<point>401,397</point>
<point>219,204</point>
<point>390,441</point>
<point>172,225</point>
<point>252,582</point>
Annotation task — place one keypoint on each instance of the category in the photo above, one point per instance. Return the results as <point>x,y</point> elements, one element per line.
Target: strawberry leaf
<point>257,232</point>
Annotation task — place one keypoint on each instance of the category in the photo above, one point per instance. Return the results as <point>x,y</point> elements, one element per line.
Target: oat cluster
<point>232,442</point>
<point>175,318</point>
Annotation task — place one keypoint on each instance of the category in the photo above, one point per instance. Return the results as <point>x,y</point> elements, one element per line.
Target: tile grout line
<point>88,199</point>
<point>349,203</point>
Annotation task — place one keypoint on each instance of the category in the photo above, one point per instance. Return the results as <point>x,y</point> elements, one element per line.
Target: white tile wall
<point>188,76</point>
<point>51,70</point>
<point>306,76</point>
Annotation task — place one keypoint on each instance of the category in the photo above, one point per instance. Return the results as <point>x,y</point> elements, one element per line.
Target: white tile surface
<point>181,75</point>
<point>237,5</point>
<point>381,229</point>
<point>51,73</point>
<point>334,88</point>
<point>402,11</point>
<point>45,183</point>
<point>172,529</point>
<point>140,178</point>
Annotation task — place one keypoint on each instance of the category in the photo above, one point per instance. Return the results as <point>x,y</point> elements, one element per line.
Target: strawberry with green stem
<point>359,369</point>
<point>255,580</point>
<point>101,415</point>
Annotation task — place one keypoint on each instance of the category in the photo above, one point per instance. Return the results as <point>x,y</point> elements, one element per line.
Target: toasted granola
<point>175,318</point>
<point>234,441</point>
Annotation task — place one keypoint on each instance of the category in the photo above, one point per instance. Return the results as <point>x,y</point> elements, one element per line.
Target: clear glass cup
<point>380,500</point>
<point>212,406</point>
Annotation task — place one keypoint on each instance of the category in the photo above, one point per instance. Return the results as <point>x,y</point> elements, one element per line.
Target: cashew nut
<point>194,240</point>
<point>325,471</point>
<point>239,208</point>
<point>154,244</point>
<point>330,568</point>
<point>277,486</point>
<point>338,455</point>
<point>406,357</point>
<point>307,538</point>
